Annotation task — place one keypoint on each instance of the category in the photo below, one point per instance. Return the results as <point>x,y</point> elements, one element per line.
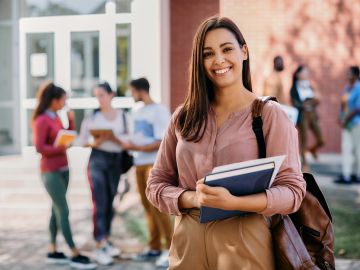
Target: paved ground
<point>24,211</point>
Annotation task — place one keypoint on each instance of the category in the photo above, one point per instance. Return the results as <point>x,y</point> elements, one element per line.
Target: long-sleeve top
<point>45,128</point>
<point>181,163</point>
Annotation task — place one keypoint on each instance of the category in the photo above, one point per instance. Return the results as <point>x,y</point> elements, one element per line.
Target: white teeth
<point>222,71</point>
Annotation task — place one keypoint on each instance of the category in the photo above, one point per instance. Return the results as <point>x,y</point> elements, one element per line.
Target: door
<point>75,52</point>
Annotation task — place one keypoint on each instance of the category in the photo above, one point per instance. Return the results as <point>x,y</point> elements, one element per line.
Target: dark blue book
<point>242,181</point>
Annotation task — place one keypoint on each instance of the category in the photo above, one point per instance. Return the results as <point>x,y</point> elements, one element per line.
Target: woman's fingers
<point>207,189</point>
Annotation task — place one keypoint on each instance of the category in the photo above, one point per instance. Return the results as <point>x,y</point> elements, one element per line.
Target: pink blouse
<point>181,163</point>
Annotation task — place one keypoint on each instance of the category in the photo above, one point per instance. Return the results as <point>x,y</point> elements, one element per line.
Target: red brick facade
<point>185,17</point>
<point>325,35</point>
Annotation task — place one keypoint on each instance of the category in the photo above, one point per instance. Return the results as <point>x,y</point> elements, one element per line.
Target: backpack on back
<point>304,239</point>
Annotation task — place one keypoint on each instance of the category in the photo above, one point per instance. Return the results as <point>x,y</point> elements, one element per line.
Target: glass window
<point>40,60</point>
<point>123,63</point>
<point>38,8</point>
<point>84,63</point>
<point>5,10</point>
<point>6,91</point>
<point>6,127</point>
<point>123,6</point>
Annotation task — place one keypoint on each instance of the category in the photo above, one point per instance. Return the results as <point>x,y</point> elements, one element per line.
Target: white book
<point>276,161</point>
<point>241,171</point>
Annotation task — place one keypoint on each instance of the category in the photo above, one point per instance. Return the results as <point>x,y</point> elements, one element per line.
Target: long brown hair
<point>192,118</point>
<point>45,94</point>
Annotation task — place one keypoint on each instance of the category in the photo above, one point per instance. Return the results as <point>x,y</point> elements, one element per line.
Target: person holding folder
<point>102,132</point>
<point>54,169</point>
<point>212,128</point>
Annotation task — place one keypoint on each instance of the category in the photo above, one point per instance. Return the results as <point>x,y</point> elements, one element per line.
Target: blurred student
<point>150,123</point>
<point>352,122</point>
<point>347,145</point>
<point>104,168</point>
<point>55,170</point>
<point>304,99</point>
<point>273,85</point>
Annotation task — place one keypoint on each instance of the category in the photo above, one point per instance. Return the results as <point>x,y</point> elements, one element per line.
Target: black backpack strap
<point>257,123</point>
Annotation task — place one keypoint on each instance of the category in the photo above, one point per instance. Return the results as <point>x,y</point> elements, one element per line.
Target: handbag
<point>126,158</point>
<point>305,239</point>
<point>126,161</point>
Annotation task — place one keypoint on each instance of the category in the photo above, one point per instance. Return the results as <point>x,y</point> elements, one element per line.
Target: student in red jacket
<point>55,171</point>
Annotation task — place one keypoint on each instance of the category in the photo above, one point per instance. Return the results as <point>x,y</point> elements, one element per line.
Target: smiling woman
<point>213,128</point>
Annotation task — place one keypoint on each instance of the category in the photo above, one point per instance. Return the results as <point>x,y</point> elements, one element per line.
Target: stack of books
<point>243,178</point>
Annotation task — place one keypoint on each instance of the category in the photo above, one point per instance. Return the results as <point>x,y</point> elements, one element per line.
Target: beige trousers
<point>240,243</point>
<point>160,226</point>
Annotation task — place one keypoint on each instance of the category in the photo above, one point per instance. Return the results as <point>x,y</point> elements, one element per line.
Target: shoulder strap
<point>257,122</point>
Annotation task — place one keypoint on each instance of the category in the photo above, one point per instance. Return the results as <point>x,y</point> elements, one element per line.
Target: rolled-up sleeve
<point>163,189</point>
<point>289,187</point>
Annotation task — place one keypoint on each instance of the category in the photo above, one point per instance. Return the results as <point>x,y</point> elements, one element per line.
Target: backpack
<point>304,239</point>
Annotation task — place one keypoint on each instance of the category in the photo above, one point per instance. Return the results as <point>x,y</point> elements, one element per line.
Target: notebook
<point>100,132</point>
<point>244,178</point>
<point>64,137</point>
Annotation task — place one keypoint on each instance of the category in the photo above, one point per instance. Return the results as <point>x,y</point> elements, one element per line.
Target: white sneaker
<point>111,250</point>
<point>163,260</point>
<point>102,257</point>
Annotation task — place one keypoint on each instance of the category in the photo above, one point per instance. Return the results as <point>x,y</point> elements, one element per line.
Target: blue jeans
<point>104,172</point>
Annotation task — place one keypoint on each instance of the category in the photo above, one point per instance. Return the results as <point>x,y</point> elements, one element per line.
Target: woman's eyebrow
<point>221,45</point>
<point>226,43</point>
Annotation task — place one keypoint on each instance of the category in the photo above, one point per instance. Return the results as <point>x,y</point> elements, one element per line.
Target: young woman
<point>55,171</point>
<point>212,128</point>
<point>104,167</point>
<point>304,99</point>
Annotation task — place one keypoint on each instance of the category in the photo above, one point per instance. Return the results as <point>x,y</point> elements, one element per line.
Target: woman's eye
<point>227,49</point>
<point>207,54</point>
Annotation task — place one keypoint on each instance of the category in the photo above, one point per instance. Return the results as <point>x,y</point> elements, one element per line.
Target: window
<point>123,65</point>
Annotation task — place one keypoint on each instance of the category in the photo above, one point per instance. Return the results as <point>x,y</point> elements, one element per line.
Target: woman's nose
<point>219,59</point>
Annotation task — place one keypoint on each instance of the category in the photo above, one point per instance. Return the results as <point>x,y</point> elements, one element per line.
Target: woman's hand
<point>99,140</point>
<point>217,197</point>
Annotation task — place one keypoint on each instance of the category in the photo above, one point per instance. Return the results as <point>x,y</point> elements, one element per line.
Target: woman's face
<point>103,97</point>
<point>58,104</point>
<point>223,58</point>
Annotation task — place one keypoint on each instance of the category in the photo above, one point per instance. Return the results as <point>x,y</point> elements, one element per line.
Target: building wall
<point>185,17</point>
<point>325,35</point>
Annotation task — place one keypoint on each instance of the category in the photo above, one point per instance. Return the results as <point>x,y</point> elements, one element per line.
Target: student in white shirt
<point>150,123</point>
<point>104,167</point>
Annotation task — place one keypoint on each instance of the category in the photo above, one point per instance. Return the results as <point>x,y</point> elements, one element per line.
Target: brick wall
<point>185,17</point>
<point>323,34</point>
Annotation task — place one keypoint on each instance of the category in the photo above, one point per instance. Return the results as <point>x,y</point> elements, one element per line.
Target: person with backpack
<point>214,127</point>
<point>102,132</point>
<point>54,168</point>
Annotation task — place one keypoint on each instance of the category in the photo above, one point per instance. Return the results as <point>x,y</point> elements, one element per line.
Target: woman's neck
<point>107,109</point>
<point>232,98</point>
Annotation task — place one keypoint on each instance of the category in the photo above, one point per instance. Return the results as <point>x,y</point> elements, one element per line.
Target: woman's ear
<point>244,49</point>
